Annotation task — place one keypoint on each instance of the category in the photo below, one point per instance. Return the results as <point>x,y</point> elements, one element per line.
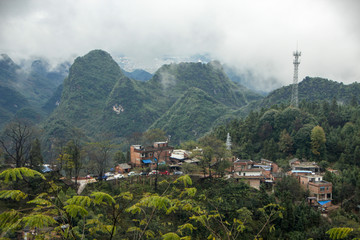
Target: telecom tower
<point>294,95</point>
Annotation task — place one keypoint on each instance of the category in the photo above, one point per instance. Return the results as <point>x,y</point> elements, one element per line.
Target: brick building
<point>318,188</point>
<point>147,156</point>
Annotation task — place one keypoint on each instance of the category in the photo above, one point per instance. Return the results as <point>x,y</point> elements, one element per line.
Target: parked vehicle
<point>165,173</point>
<point>153,172</point>
<point>109,174</point>
<point>143,174</point>
<point>102,178</point>
<point>118,176</point>
<point>132,174</point>
<point>178,173</point>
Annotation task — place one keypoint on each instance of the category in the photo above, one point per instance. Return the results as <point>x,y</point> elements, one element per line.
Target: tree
<point>77,217</point>
<point>153,135</point>
<point>16,142</point>
<point>100,153</point>
<point>205,156</point>
<point>158,152</point>
<point>318,140</point>
<point>188,145</point>
<point>119,157</point>
<point>35,158</point>
<point>357,156</point>
<point>73,156</point>
<point>214,149</point>
<point>288,189</point>
<point>286,143</point>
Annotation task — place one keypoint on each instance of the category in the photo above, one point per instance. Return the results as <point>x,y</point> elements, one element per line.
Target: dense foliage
<point>319,131</point>
<point>183,207</point>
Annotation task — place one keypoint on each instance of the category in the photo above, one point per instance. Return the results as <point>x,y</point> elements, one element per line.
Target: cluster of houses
<point>254,173</point>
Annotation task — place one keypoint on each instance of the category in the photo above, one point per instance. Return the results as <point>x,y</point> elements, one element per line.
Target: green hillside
<point>97,98</point>
<point>192,115</point>
<point>131,107</point>
<point>54,101</point>
<point>90,81</point>
<point>311,89</point>
<point>175,79</point>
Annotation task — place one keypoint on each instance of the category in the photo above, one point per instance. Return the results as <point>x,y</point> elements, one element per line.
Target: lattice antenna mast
<point>294,95</point>
<point>228,142</point>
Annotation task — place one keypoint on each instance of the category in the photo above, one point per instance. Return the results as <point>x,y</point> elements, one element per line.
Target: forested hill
<point>312,89</point>
<point>317,131</point>
<point>98,98</point>
<point>175,79</point>
<point>191,115</point>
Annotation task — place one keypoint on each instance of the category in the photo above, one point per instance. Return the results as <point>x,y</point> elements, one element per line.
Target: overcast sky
<point>248,34</point>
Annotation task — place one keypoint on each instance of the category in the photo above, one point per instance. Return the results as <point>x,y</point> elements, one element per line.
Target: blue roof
<point>301,171</point>
<point>324,202</point>
<point>146,161</point>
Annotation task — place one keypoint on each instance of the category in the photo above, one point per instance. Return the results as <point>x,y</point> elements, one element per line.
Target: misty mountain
<point>8,71</point>
<point>138,74</point>
<point>27,86</point>
<point>11,102</point>
<point>249,79</point>
<point>98,98</point>
<point>175,79</point>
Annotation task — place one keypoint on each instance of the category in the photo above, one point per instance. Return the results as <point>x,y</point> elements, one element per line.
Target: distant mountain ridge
<point>24,90</point>
<point>98,98</point>
<point>313,89</point>
<point>138,74</point>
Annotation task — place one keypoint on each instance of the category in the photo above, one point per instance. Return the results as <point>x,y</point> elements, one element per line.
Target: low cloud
<point>251,35</point>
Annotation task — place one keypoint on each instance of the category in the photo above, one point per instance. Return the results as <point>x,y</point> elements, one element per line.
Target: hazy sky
<point>247,34</point>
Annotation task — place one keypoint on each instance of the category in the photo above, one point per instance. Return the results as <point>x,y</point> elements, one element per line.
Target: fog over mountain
<point>256,37</point>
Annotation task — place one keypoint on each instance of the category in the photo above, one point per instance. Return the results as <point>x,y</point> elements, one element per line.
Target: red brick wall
<point>134,156</point>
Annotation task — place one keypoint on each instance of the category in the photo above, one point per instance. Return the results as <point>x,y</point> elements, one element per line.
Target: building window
<point>322,189</point>
<point>328,196</point>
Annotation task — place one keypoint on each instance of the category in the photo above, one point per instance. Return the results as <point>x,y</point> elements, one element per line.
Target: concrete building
<point>318,188</point>
<point>141,156</point>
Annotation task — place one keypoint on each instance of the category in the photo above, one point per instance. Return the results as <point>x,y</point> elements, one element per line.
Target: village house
<point>254,173</point>
<point>141,156</point>
<point>122,168</point>
<point>179,155</point>
<point>308,176</point>
<point>320,189</point>
<point>297,165</point>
